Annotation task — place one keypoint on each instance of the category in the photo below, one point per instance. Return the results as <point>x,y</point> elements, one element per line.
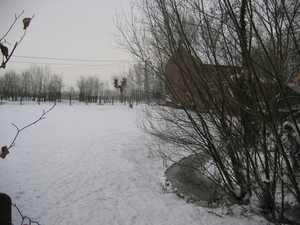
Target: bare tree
<point>54,87</point>
<point>95,84</point>
<point>226,66</point>
<point>9,85</point>
<point>89,88</point>
<point>121,86</point>
<point>143,85</point>
<point>25,88</point>
<point>81,86</point>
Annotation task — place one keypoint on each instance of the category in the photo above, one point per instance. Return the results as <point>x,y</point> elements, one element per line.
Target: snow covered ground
<point>89,164</point>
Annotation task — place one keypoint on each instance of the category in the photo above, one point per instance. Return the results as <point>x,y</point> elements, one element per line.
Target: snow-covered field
<point>89,164</point>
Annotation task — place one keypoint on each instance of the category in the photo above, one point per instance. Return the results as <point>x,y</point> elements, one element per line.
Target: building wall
<point>188,82</point>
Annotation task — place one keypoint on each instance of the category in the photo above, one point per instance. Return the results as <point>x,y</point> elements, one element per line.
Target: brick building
<point>195,85</point>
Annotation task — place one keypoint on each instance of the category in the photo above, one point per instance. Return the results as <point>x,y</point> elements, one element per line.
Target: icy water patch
<point>189,183</point>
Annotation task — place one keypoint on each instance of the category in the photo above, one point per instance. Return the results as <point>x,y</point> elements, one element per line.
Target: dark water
<point>193,185</point>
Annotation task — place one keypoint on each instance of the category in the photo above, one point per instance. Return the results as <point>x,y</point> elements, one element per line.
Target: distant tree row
<point>36,83</point>
<point>142,84</point>
<point>90,88</point>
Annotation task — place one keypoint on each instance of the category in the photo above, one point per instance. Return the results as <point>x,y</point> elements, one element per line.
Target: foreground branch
<point>4,49</point>
<point>24,217</point>
<point>16,18</point>
<point>19,130</point>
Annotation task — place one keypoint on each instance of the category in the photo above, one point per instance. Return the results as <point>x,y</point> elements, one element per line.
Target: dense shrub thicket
<point>245,119</point>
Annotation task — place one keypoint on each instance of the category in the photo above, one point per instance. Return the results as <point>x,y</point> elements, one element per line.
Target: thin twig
<point>215,214</point>
<point>24,217</point>
<point>16,18</point>
<point>19,130</point>
<point>3,65</point>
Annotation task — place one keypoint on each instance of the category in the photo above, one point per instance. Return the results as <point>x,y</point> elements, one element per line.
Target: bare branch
<point>16,18</point>
<point>39,119</point>
<point>24,217</point>
<point>3,65</point>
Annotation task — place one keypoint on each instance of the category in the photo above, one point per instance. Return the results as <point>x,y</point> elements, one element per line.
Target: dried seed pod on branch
<point>26,22</point>
<point>4,50</point>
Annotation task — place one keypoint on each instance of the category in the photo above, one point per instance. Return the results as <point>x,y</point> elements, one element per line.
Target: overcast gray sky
<point>64,30</point>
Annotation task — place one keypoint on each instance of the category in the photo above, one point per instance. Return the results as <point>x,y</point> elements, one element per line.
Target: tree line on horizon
<point>35,83</point>
<point>41,84</point>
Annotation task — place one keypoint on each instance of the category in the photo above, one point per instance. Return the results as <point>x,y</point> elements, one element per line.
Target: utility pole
<point>147,82</point>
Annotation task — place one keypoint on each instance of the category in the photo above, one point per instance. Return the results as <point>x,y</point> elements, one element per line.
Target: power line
<point>75,60</point>
<point>73,67</point>
<point>68,64</point>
